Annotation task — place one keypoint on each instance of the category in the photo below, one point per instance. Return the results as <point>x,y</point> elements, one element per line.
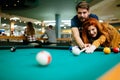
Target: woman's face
<point>92,31</point>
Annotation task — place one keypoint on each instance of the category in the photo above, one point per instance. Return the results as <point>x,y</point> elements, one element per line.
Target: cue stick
<point>82,50</point>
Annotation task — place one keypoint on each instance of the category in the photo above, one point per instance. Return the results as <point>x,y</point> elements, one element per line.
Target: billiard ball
<point>44,58</point>
<point>12,49</point>
<point>70,48</point>
<point>116,50</point>
<point>107,50</point>
<point>76,51</point>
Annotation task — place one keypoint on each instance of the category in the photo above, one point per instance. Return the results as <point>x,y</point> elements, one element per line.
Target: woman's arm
<point>95,44</point>
<point>99,41</point>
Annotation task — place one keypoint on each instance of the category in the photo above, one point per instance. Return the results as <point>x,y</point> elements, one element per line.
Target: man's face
<point>83,14</point>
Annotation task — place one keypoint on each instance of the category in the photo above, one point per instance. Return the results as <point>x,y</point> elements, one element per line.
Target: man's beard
<point>82,19</point>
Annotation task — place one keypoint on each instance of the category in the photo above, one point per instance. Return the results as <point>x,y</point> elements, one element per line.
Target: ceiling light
<point>15,18</point>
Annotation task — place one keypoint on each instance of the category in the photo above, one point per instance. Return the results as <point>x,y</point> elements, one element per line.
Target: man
<point>50,32</point>
<point>83,13</point>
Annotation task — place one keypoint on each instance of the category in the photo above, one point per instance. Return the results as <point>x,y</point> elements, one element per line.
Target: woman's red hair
<point>101,27</point>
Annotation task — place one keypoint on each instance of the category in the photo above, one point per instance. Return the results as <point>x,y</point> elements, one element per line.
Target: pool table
<point>22,64</point>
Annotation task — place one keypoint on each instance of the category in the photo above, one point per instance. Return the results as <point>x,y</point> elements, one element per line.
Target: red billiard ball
<point>44,58</point>
<point>116,50</point>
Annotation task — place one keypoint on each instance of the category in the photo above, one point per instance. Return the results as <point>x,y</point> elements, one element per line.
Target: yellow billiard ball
<point>107,50</point>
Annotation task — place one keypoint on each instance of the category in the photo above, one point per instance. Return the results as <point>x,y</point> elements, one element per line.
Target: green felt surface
<point>22,65</point>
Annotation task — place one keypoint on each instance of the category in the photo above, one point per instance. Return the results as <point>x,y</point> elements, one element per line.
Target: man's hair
<point>83,5</point>
<point>50,26</point>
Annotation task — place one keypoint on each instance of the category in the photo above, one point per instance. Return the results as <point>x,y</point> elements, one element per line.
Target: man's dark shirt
<point>75,22</point>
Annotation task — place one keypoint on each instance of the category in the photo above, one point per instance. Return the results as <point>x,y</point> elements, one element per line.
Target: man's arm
<point>76,35</point>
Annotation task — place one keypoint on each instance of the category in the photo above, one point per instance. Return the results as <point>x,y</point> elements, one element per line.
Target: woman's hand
<point>90,49</point>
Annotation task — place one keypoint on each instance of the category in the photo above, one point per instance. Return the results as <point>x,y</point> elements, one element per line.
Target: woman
<point>99,34</point>
<point>30,32</point>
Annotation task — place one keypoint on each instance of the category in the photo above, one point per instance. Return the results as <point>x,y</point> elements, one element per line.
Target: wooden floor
<point>113,74</point>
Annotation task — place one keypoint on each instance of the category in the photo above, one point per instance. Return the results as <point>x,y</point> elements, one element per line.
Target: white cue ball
<point>44,58</point>
<point>76,51</point>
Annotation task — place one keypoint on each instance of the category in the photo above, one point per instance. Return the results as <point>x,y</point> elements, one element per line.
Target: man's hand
<point>87,45</point>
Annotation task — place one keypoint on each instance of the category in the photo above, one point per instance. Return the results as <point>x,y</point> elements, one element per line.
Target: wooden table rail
<point>64,39</point>
<point>58,39</point>
<point>23,38</point>
<point>13,37</point>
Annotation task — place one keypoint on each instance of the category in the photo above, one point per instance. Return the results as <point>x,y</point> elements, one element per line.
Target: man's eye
<point>84,12</point>
<point>79,12</point>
